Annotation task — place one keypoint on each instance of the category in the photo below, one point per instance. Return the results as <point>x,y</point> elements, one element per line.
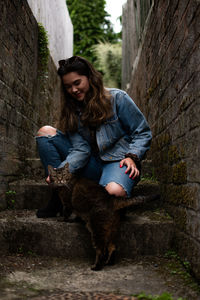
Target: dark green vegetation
<point>10,199</point>
<point>91,26</point>
<point>43,50</point>
<point>164,296</point>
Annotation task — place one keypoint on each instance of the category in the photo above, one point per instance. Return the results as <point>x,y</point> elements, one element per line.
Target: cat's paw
<point>97,267</point>
<point>99,263</point>
<point>111,260</point>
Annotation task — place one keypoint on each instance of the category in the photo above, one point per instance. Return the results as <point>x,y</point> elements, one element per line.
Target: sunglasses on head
<point>69,61</point>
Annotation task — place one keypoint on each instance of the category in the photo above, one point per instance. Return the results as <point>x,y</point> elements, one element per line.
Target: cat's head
<point>59,176</point>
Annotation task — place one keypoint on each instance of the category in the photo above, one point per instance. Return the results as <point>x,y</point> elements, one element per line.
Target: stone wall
<point>135,13</point>
<point>164,82</point>
<point>55,18</point>
<point>28,98</point>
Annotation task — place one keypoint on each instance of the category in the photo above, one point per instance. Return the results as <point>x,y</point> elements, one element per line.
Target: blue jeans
<point>53,150</point>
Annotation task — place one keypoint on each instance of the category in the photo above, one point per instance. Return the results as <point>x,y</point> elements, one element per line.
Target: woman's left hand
<point>131,167</point>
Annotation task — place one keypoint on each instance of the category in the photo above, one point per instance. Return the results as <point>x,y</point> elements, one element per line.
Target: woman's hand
<point>131,167</point>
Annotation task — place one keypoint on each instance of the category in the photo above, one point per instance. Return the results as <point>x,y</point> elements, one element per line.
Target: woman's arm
<point>138,131</point>
<point>79,153</point>
<point>135,125</point>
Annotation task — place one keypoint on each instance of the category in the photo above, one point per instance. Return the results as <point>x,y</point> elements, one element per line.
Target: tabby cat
<point>99,210</point>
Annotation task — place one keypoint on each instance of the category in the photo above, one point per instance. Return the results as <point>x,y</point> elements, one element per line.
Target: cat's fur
<point>99,210</point>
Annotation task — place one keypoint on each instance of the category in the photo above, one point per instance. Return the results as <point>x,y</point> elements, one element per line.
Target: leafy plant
<point>10,199</point>
<point>164,296</point>
<point>173,254</point>
<point>90,25</point>
<point>108,62</point>
<point>182,268</point>
<point>43,50</point>
<point>148,178</point>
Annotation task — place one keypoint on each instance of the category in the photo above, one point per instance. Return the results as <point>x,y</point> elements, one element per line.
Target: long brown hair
<point>97,104</point>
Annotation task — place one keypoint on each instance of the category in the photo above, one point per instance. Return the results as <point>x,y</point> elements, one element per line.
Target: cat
<point>100,211</point>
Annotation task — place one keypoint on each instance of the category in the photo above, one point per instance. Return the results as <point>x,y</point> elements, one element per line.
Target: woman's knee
<point>46,130</point>
<point>115,189</point>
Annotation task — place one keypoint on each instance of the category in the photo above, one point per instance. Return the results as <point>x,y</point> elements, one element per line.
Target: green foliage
<point>108,62</point>
<point>181,268</point>
<point>91,25</point>
<point>10,192</point>
<point>173,254</point>
<point>151,177</point>
<point>10,199</point>
<point>43,50</point>
<point>164,296</point>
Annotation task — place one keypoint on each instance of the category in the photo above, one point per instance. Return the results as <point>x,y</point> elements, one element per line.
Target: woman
<point>104,134</point>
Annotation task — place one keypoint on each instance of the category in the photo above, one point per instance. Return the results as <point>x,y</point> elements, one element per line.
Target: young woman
<point>104,135</point>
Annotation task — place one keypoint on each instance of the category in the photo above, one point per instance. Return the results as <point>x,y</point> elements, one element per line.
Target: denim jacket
<point>127,131</point>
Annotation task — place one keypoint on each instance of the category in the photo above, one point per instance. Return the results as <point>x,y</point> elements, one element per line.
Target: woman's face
<point>76,85</point>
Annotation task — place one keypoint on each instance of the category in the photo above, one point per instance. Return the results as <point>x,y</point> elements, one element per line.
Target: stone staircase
<point>42,258</point>
<point>146,230</point>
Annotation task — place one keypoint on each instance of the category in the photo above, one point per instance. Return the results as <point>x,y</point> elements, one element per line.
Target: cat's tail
<point>120,203</point>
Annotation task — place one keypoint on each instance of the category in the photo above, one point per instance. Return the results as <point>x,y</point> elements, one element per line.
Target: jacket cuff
<point>135,158</point>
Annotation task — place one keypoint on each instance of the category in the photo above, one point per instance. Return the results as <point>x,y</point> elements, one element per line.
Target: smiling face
<point>76,85</point>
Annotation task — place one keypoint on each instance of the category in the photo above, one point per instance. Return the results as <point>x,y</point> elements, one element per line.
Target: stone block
<point>181,195</point>
<point>3,189</point>
<point>193,224</point>
<point>193,169</point>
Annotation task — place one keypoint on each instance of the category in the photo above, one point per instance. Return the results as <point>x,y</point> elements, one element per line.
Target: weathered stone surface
<point>164,83</point>
<point>27,277</point>
<point>28,98</point>
<point>140,234</point>
<point>193,224</point>
<point>188,248</point>
<point>32,194</point>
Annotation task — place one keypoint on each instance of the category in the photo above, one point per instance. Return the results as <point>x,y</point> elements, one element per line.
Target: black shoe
<point>53,207</point>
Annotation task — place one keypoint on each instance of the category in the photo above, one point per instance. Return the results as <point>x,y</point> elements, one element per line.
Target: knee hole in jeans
<point>46,131</point>
<point>115,189</point>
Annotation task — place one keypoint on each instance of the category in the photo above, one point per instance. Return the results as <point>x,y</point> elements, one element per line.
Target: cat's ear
<point>50,169</point>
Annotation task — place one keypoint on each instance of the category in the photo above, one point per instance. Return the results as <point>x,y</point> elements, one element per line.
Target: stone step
<point>147,233</point>
<point>28,194</point>
<point>31,194</point>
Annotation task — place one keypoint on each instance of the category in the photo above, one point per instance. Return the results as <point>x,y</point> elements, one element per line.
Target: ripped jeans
<point>53,150</point>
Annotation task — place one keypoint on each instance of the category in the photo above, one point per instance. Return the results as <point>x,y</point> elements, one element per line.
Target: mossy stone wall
<point>164,83</point>
<point>29,97</point>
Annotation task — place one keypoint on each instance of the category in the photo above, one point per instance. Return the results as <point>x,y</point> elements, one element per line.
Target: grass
<point>164,296</point>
